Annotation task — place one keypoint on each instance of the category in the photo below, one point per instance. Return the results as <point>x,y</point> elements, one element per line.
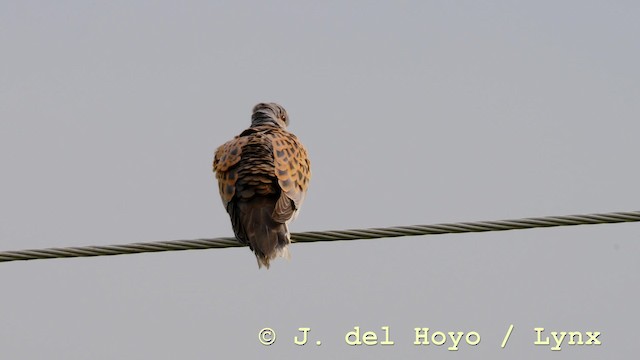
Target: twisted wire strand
<point>334,235</point>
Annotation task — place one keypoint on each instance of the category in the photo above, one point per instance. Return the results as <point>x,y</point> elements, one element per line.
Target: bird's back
<point>250,189</point>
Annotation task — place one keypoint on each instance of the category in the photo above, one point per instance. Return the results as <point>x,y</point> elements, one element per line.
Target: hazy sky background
<point>413,113</point>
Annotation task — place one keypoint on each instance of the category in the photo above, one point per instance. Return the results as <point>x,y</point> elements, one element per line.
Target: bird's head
<point>273,113</point>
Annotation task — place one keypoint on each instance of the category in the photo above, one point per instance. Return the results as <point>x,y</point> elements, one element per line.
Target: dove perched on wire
<point>263,175</point>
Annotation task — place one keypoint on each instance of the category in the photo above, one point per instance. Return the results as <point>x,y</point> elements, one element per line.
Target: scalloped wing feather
<point>226,156</point>
<point>292,166</point>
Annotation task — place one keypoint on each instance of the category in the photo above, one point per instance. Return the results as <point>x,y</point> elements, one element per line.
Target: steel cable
<point>334,235</point>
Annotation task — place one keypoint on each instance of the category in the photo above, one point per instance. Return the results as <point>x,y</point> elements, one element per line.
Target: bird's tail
<point>253,224</point>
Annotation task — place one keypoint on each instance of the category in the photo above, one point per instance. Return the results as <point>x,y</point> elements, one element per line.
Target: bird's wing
<point>225,158</point>
<point>292,167</point>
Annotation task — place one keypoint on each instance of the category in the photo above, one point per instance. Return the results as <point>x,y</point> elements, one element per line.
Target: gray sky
<point>412,112</point>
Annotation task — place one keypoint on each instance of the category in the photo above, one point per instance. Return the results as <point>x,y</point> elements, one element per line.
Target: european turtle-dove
<point>263,175</point>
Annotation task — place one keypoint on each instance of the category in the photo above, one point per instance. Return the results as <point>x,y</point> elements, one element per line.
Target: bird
<point>263,175</point>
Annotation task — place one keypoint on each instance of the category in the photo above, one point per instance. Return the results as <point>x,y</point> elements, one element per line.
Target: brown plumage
<point>263,175</point>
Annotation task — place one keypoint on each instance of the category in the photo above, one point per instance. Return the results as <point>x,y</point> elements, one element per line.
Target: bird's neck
<point>261,121</point>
